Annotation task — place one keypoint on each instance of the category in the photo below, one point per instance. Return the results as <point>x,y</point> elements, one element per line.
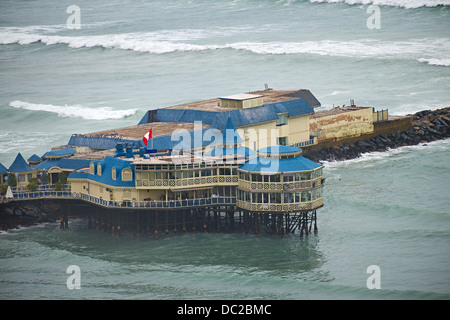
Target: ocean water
<point>388,209</point>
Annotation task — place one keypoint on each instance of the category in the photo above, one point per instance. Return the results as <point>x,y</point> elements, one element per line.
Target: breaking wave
<point>436,62</point>
<point>76,111</point>
<point>407,4</point>
<point>168,41</point>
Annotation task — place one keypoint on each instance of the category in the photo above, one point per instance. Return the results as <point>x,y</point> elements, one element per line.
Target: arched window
<point>113,173</point>
<point>99,169</point>
<point>127,175</point>
<point>92,168</point>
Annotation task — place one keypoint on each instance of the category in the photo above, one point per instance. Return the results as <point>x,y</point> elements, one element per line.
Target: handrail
<point>125,203</point>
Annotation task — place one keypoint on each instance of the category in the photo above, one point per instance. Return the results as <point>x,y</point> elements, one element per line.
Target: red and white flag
<point>147,136</point>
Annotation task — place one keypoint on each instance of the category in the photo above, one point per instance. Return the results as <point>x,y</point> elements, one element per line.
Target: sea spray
<point>75,111</point>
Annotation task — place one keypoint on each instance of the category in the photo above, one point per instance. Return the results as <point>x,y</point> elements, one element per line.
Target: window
<point>282,119</point>
<point>289,197</point>
<point>127,175</point>
<point>99,169</point>
<point>275,198</point>
<point>283,141</point>
<point>114,173</point>
<point>256,177</point>
<point>275,178</point>
<point>206,172</point>
<point>224,171</point>
<point>92,168</point>
<point>306,175</point>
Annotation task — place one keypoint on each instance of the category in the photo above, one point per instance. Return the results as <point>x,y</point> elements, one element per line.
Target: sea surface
<point>61,75</point>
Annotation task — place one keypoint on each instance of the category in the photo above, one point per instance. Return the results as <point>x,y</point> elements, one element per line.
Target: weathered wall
<point>345,124</point>
<point>395,125</point>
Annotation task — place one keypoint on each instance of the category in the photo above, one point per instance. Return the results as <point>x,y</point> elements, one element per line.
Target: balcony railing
<point>186,182</point>
<point>156,204</point>
<point>280,186</point>
<point>280,207</point>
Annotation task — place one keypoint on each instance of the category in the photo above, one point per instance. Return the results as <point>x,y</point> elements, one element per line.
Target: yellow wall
<point>345,124</point>
<point>240,104</point>
<point>99,190</point>
<point>296,129</point>
<point>25,176</point>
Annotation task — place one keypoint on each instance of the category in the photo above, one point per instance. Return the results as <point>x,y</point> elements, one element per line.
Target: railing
<point>219,200</point>
<point>303,143</point>
<point>381,115</point>
<point>122,204</point>
<point>41,195</point>
<point>46,187</point>
<point>280,207</point>
<point>186,182</point>
<point>155,203</point>
<point>280,186</point>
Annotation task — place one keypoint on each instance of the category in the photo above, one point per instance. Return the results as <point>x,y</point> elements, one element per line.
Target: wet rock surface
<point>15,216</point>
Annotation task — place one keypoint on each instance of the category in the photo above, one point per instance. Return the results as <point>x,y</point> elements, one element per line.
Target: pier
<point>240,179</point>
<point>155,218</point>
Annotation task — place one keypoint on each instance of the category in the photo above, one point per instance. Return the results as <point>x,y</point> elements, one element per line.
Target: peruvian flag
<point>147,136</point>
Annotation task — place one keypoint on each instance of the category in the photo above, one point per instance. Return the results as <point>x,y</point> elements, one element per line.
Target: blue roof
<point>3,169</point>
<point>279,149</point>
<point>65,163</point>
<point>34,157</point>
<point>271,165</point>
<point>185,115</point>
<point>239,117</point>
<point>20,165</point>
<point>229,133</point>
<point>185,140</point>
<point>106,175</point>
<point>102,143</point>
<point>264,113</point>
<point>241,151</point>
<point>59,152</point>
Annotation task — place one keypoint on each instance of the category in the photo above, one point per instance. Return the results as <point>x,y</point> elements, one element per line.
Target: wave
<point>76,111</point>
<point>407,4</point>
<point>355,49</point>
<point>436,62</point>
<point>369,159</point>
<point>430,51</point>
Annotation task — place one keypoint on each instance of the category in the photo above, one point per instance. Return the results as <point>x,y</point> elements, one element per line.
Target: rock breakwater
<point>426,126</point>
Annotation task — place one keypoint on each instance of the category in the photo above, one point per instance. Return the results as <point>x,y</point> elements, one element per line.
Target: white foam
<point>436,62</point>
<point>371,158</point>
<point>432,51</point>
<point>363,48</point>
<point>75,111</point>
<point>407,4</point>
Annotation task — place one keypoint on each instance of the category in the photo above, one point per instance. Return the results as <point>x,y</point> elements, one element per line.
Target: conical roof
<point>229,133</point>
<point>3,169</point>
<point>19,165</point>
